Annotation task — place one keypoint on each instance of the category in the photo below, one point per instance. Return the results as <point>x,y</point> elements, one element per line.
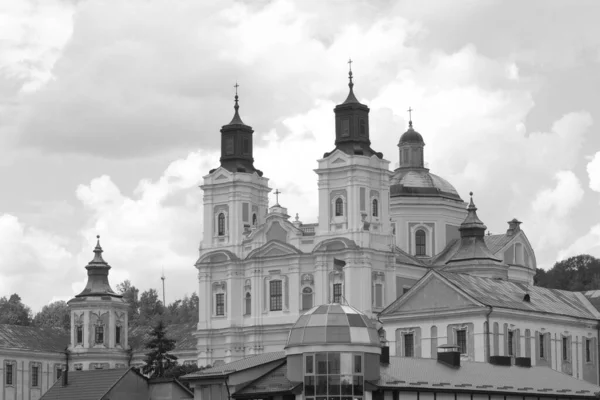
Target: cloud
<point>587,244</point>
<point>593,170</point>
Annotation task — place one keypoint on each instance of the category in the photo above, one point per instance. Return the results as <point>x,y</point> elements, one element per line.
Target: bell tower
<point>235,193</point>
<point>98,321</point>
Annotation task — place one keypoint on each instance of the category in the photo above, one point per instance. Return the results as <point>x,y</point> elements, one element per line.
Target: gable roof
<point>508,294</point>
<point>181,333</point>
<point>86,385</point>
<point>479,376</point>
<point>271,383</point>
<point>405,258</point>
<point>33,338</point>
<point>496,242</point>
<point>239,365</point>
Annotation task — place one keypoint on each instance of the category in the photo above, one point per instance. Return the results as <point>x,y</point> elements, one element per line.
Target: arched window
<point>307,298</point>
<point>253,219</point>
<point>375,208</point>
<point>248,304</point>
<point>339,207</point>
<point>420,243</point>
<point>221,224</point>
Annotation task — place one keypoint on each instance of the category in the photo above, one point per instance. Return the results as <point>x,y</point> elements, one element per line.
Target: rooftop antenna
<point>162,278</point>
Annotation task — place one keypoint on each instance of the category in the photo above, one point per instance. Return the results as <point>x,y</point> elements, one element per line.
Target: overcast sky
<point>110,114</point>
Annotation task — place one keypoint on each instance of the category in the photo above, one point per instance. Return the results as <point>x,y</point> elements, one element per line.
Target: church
<point>395,282</point>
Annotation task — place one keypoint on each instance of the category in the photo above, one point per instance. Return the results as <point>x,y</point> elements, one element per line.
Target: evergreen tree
<point>158,360</point>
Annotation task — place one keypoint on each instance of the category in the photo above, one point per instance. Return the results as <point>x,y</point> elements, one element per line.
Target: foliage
<point>13,311</point>
<point>577,273</point>
<point>158,360</point>
<point>151,309</point>
<point>130,295</point>
<point>180,370</point>
<point>54,315</point>
<point>183,311</point>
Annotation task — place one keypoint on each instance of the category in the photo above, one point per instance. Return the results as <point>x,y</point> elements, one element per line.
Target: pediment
<point>338,243</point>
<point>338,160</point>
<point>431,293</point>
<point>274,248</point>
<point>217,256</point>
<point>220,177</point>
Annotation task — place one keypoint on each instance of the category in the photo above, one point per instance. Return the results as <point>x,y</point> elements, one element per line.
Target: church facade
<point>378,232</point>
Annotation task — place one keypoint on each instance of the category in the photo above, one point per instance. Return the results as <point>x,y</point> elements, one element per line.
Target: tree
<point>54,315</point>
<point>130,295</point>
<point>577,273</point>
<point>151,309</point>
<point>158,360</point>
<point>13,311</point>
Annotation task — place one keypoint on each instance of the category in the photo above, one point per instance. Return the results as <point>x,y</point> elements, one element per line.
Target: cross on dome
<point>277,193</point>
<point>410,110</point>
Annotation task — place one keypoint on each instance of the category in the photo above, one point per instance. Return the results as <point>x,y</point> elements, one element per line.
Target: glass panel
<point>358,385</point>
<point>338,334</point>
<point>333,360</point>
<point>317,320</point>
<point>322,384</point>
<point>321,363</point>
<point>334,384</point>
<point>321,309</point>
<point>337,319</point>
<point>296,336</point>
<point>335,309</point>
<point>346,384</point>
<point>357,364</point>
<point>355,320</point>
<point>359,335</point>
<point>309,385</point>
<point>310,364</point>
<point>314,334</point>
<point>302,321</point>
<point>373,336</point>
<point>346,363</point>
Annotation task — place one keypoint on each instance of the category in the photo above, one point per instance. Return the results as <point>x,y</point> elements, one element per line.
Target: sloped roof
<point>239,365</point>
<point>271,383</point>
<point>497,242</point>
<point>33,338</point>
<point>181,333</point>
<point>508,294</point>
<point>593,297</point>
<point>446,254</point>
<point>405,258</point>
<point>477,376</point>
<point>86,385</point>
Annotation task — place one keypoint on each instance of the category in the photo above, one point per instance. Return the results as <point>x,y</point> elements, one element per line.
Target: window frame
<point>566,348</point>
<point>542,346</point>
<point>276,295</point>
<point>405,343</point>
<point>458,333</point>
<point>220,304</point>
<point>118,332</point>
<point>9,372</point>
<point>247,304</point>
<point>420,248</point>
<point>79,334</point>
<point>337,293</point>
<point>221,224</point>
<point>339,207</point>
<point>98,334</point>
<point>587,351</point>
<point>306,294</point>
<point>375,208</point>
<point>35,375</point>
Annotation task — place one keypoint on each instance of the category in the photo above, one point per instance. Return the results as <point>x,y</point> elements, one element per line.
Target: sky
<point>110,114</point>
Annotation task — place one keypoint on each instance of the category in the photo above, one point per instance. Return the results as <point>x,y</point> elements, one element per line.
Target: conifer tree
<point>158,360</point>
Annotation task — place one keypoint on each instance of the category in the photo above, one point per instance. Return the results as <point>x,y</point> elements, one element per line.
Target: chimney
<point>65,377</point>
<point>385,355</point>
<point>513,227</point>
<point>449,355</point>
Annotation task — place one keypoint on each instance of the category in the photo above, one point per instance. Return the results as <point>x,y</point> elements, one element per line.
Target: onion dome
<point>97,284</point>
<point>411,136</point>
<point>333,325</point>
<point>473,256</point>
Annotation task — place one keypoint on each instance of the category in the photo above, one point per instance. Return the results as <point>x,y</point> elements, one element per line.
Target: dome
<point>411,136</point>
<point>333,324</point>
<point>421,182</point>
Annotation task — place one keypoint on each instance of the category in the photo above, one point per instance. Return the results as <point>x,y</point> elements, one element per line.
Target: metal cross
<point>277,193</point>
<point>410,110</point>
<point>350,64</point>
<point>236,86</point>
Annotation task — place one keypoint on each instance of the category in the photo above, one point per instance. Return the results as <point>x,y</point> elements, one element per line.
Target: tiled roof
<point>405,258</point>
<point>593,297</point>
<point>239,365</point>
<point>497,242</point>
<point>507,294</point>
<point>33,338</point>
<point>478,376</point>
<point>86,385</point>
<point>271,383</point>
<point>181,333</point>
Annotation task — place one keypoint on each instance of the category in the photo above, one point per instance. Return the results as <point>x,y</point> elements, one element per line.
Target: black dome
<point>411,136</point>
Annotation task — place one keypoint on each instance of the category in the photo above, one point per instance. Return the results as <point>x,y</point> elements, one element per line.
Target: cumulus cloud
<point>587,244</point>
<point>593,170</point>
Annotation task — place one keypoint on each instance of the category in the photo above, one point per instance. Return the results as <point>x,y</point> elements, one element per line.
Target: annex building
<point>395,291</point>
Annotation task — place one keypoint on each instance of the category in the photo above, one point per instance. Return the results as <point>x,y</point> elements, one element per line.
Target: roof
<point>593,297</point>
<point>496,242</point>
<point>239,365</point>
<point>273,382</point>
<point>333,324</point>
<point>97,283</point>
<point>421,182</point>
<point>86,385</point>
<point>411,136</point>
<point>181,333</point>
<point>508,294</point>
<point>428,373</point>
<point>33,338</point>
<point>405,258</point>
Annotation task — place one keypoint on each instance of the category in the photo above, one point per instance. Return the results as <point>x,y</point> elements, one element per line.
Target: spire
<point>472,225</point>
<point>351,97</point>
<point>97,284</point>
<point>237,120</point>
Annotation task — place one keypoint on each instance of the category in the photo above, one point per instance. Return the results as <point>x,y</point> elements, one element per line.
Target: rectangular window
<point>9,374</point>
<point>310,367</point>
<point>79,334</point>
<point>565,348</point>
<point>461,340</point>
<point>542,344</point>
<point>588,350</point>
<point>511,338</point>
<point>35,375</point>
<point>118,334</point>
<point>378,295</point>
<point>58,373</point>
<point>99,335</point>
<point>337,292</point>
<point>220,304</point>
<point>409,345</point>
<point>275,295</point>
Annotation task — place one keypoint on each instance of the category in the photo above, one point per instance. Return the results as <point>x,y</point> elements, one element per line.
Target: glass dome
<point>333,324</point>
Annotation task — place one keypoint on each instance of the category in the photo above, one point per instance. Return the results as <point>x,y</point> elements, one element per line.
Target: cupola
<point>411,147</point>
<point>97,271</point>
